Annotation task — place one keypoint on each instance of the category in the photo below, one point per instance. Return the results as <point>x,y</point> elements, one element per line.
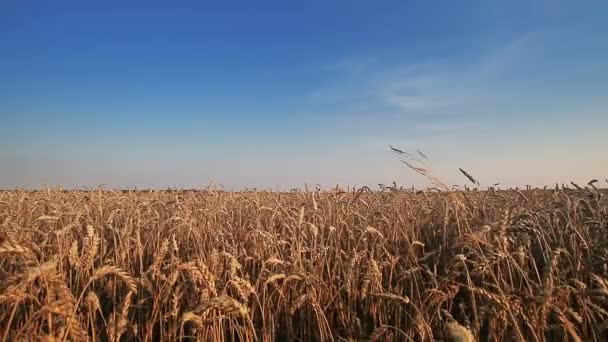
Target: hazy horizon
<point>277,95</point>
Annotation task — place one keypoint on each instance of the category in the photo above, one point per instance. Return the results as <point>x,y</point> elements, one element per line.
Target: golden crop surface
<point>303,266</point>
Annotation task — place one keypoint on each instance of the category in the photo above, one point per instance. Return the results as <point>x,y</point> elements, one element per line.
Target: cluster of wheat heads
<point>308,266</point>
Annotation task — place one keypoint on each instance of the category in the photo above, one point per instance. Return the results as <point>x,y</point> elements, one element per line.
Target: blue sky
<point>274,94</point>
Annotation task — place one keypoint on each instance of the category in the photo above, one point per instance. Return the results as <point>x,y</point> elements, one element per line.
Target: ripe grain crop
<point>310,266</point>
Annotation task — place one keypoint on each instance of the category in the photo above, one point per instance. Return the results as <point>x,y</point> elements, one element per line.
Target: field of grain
<point>304,266</point>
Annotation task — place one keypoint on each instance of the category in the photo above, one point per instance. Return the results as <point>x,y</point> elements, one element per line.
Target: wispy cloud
<point>450,85</point>
<point>411,102</point>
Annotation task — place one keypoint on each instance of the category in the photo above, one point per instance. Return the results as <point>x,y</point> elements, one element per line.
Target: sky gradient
<point>278,94</point>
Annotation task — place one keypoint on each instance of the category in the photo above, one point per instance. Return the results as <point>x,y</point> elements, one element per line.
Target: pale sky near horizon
<point>278,94</point>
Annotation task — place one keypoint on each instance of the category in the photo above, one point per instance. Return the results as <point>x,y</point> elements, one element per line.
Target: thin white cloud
<point>446,86</point>
<point>459,86</point>
<point>411,102</point>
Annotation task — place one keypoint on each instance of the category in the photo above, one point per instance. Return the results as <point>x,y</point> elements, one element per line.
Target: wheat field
<point>304,266</point>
